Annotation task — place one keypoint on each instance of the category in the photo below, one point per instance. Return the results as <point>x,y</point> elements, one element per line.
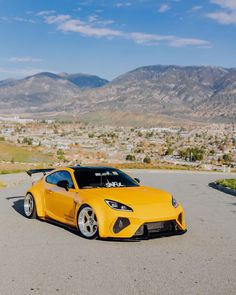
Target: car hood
<point>133,195</point>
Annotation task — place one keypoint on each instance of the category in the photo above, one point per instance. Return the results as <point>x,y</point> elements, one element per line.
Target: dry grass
<point>116,118</point>
<point>147,166</point>
<point>2,184</point>
<point>10,152</point>
<point>9,168</point>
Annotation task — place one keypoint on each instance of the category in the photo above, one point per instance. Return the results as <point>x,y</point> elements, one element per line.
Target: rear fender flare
<point>39,202</point>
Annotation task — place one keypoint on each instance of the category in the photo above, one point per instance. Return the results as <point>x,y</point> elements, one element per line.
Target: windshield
<point>102,178</point>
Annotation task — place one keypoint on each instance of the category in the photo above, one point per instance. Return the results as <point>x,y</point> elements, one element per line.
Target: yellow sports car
<point>103,202</point>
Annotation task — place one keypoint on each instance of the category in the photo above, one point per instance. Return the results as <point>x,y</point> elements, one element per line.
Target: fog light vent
<point>140,231</point>
<point>120,224</point>
<point>180,219</point>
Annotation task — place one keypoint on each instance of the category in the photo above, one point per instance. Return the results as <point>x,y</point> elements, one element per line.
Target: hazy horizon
<point>94,74</point>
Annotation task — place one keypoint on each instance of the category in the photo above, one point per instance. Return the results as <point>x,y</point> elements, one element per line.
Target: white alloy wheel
<point>87,222</point>
<point>29,206</point>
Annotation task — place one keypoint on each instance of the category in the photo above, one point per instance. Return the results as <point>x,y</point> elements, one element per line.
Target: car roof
<point>80,168</point>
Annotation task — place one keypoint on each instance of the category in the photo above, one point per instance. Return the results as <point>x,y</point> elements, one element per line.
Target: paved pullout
<point>41,258</point>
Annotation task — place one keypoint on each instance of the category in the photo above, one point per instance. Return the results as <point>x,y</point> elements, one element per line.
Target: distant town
<point>207,147</point>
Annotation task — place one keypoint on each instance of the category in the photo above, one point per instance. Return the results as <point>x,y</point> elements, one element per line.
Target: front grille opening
<point>160,227</point>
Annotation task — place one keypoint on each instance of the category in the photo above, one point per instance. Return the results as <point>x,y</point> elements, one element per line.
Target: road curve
<point>41,258</point>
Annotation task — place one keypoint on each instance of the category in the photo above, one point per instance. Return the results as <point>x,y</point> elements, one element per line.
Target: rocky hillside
<point>85,81</point>
<point>44,91</point>
<point>198,93</point>
<point>184,92</point>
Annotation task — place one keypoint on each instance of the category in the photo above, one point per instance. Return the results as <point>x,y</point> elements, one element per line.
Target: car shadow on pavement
<point>18,206</point>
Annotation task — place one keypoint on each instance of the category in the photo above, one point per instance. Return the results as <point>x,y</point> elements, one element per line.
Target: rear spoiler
<point>34,171</point>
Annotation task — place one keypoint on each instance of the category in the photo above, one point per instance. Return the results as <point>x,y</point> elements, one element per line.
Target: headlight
<point>174,202</point>
<point>118,206</point>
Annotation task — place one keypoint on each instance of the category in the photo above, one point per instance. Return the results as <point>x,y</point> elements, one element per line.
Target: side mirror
<point>64,184</point>
<point>137,179</point>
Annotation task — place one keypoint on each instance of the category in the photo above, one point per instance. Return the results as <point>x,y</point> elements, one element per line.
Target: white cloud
<point>163,8</point>
<point>45,12</point>
<point>87,29</point>
<point>223,17</point>
<point>54,19</point>
<point>228,4</point>
<point>22,19</point>
<point>143,38</point>
<point>227,13</point>
<point>91,28</point>
<point>123,4</point>
<point>95,19</point>
<point>173,41</point>
<point>182,42</point>
<point>16,59</point>
<point>92,18</point>
<point>196,8</point>
<point>17,19</point>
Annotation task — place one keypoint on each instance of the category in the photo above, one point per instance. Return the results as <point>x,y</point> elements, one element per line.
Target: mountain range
<point>198,93</point>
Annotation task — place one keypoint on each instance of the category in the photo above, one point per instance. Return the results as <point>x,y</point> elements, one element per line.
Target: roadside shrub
<point>147,160</point>
<point>130,158</point>
<point>27,140</point>
<point>192,154</point>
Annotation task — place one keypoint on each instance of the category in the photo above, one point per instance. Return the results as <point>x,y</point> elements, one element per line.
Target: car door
<point>59,202</point>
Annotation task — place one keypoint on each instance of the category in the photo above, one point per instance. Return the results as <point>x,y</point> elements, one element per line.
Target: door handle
<point>49,191</point>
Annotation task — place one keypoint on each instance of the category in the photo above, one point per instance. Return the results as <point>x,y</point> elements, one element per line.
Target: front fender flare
<point>100,214</point>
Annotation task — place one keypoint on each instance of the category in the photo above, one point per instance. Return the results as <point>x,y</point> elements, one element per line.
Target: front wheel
<point>29,206</point>
<point>87,222</point>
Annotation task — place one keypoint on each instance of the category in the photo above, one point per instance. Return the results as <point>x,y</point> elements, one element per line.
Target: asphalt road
<point>41,258</point>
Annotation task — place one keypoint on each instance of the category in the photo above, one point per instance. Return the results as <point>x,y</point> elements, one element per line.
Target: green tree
<point>60,154</point>
<point>192,154</point>
<point>147,160</point>
<point>169,151</point>
<point>130,158</point>
<point>27,140</point>
<point>140,134</point>
<point>227,158</point>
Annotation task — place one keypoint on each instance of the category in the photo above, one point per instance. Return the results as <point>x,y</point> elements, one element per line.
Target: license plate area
<point>159,227</point>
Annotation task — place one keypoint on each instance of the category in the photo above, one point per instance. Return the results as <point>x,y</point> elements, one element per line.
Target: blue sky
<point>108,38</point>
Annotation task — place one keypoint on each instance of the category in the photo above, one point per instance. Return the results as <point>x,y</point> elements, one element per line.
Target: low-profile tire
<point>29,206</point>
<point>87,222</point>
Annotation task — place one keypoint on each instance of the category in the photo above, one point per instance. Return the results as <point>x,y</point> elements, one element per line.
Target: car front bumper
<point>118,224</point>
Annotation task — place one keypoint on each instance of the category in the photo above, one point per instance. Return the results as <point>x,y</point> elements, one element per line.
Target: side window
<point>65,175</point>
<point>60,175</point>
<point>53,178</point>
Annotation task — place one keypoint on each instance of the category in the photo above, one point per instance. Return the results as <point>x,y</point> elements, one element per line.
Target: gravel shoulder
<point>14,179</point>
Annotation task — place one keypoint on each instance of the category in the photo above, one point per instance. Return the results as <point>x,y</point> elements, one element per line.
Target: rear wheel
<point>29,206</point>
<point>87,222</point>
